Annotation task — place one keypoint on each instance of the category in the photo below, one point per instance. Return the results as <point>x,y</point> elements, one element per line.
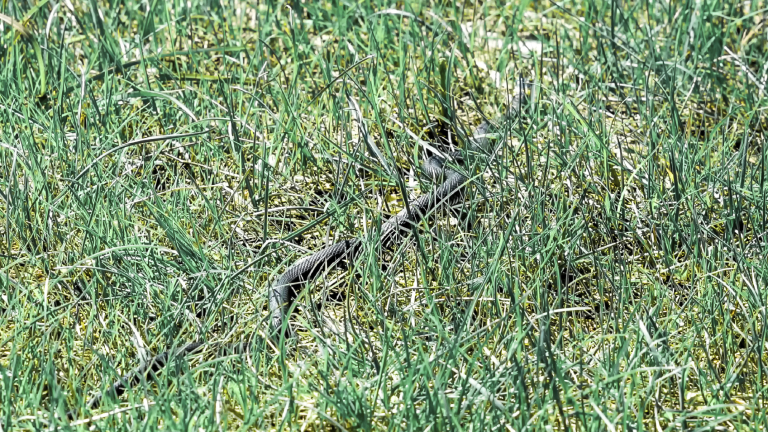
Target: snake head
<point>524,91</point>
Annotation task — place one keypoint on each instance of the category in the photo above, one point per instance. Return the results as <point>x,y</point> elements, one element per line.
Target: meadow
<point>162,162</point>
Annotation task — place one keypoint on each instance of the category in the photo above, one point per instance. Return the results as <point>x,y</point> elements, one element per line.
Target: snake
<point>286,288</point>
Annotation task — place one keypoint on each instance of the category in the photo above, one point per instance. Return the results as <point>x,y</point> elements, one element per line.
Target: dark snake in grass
<point>284,290</point>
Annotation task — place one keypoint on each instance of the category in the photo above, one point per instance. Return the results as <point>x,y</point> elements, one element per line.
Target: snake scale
<point>284,290</point>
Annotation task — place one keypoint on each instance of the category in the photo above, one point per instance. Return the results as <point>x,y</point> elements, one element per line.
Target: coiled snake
<point>285,288</point>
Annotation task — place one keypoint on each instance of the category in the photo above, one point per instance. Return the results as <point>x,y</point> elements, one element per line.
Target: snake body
<point>286,287</point>
<point>284,290</point>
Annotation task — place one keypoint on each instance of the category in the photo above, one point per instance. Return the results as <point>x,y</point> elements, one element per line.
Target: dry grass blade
<point>18,26</point>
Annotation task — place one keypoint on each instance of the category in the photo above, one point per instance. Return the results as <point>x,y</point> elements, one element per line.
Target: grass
<point>160,164</point>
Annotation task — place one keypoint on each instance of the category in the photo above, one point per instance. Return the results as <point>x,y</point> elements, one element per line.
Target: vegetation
<point>162,162</point>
